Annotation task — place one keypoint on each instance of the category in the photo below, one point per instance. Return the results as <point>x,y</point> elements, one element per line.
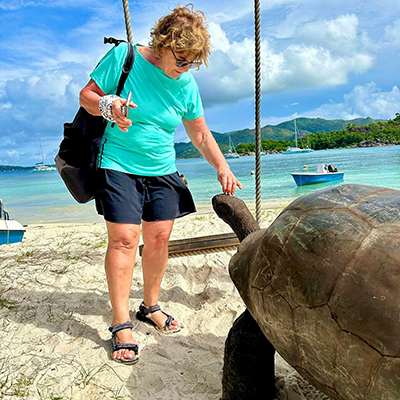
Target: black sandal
<point>144,312</point>
<point>123,346</point>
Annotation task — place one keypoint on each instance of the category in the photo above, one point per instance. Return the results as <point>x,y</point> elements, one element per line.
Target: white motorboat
<point>322,175</point>
<point>11,231</point>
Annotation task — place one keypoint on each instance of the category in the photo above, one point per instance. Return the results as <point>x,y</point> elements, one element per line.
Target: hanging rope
<point>127,21</point>
<point>203,251</point>
<point>258,106</point>
<point>222,242</point>
<point>200,245</point>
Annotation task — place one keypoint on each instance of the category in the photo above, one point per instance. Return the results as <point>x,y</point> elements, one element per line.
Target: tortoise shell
<point>323,284</point>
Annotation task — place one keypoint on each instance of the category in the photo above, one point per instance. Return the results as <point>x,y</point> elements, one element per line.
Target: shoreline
<point>273,152</point>
<point>14,168</point>
<point>91,216</point>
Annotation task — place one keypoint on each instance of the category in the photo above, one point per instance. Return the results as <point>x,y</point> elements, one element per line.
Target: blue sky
<point>336,59</point>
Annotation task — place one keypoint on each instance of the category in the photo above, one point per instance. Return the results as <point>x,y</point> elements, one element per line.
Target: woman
<point>138,179</point>
<point>184,180</point>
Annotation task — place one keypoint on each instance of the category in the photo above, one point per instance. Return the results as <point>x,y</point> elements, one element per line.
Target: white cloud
<point>11,5</point>
<point>339,35</point>
<point>363,101</point>
<point>227,10</point>
<point>298,66</point>
<point>310,67</point>
<point>219,40</point>
<point>231,73</point>
<point>392,33</point>
<point>15,5</point>
<point>36,106</point>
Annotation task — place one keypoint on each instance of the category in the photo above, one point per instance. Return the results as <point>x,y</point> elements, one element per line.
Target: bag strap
<point>128,63</point>
<point>111,40</point>
<point>126,68</point>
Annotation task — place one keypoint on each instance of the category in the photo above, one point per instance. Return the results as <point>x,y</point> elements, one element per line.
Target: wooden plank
<point>201,243</point>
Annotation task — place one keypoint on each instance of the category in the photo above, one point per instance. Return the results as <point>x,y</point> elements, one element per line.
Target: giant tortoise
<point>323,284</point>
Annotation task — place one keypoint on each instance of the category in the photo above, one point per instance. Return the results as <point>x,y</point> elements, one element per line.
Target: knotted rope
<point>202,251</point>
<point>127,21</point>
<point>257,32</point>
<point>257,119</point>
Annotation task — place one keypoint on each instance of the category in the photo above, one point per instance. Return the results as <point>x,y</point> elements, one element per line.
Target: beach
<point>55,311</point>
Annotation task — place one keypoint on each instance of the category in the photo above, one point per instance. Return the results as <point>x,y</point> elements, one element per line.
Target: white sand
<point>54,314</point>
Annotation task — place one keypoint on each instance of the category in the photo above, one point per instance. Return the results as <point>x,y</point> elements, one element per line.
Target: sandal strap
<point>148,310</point>
<point>120,327</point>
<point>168,322</point>
<point>144,311</point>
<point>125,346</point>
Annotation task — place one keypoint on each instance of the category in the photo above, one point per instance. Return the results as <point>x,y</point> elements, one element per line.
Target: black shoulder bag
<point>76,160</point>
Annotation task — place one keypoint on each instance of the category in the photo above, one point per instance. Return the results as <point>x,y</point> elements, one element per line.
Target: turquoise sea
<point>41,197</point>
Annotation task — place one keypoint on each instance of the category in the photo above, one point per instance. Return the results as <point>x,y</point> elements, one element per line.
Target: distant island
<point>319,132</point>
<point>8,168</point>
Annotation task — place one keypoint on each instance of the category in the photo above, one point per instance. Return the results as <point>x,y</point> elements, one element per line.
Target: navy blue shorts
<point>127,198</point>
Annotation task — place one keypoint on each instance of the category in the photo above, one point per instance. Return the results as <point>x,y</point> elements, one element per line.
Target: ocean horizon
<point>41,197</point>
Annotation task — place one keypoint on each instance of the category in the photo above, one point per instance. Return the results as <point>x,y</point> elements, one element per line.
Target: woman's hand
<point>204,141</point>
<point>89,99</point>
<point>120,118</point>
<point>228,181</point>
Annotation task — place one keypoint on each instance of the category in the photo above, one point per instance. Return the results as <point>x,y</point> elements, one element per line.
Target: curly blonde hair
<point>184,31</point>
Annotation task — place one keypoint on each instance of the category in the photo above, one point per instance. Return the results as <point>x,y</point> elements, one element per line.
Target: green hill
<point>282,131</point>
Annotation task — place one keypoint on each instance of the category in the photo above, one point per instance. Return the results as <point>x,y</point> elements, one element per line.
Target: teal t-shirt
<point>147,149</point>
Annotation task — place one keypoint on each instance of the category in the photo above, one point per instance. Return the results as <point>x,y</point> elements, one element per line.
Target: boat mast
<point>41,150</point>
<point>295,133</point>
<point>233,150</point>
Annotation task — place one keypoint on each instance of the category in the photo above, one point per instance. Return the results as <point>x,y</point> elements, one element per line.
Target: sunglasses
<point>183,63</point>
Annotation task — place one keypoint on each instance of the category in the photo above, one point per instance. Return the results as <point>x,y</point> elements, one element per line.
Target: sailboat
<point>231,153</point>
<point>308,149</point>
<point>41,167</point>
<point>295,149</point>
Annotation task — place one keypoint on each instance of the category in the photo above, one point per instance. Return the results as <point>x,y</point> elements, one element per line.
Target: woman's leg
<point>123,240</point>
<point>154,261</point>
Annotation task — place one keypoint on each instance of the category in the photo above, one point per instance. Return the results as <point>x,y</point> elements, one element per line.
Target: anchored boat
<point>11,231</point>
<point>231,153</point>
<point>322,175</point>
<point>40,166</point>
<point>295,149</point>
